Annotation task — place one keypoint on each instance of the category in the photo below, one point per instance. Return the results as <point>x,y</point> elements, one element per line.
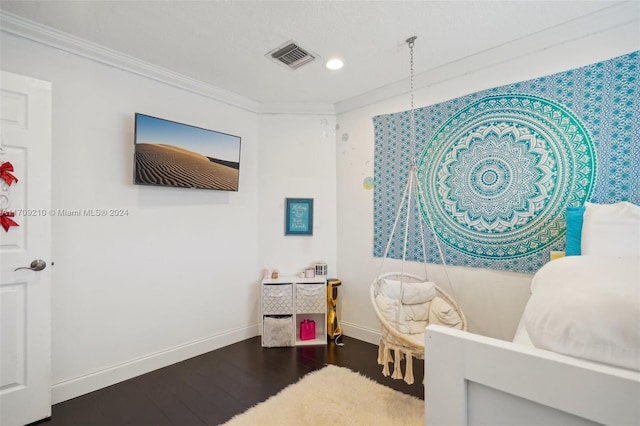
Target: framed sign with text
<point>299,216</point>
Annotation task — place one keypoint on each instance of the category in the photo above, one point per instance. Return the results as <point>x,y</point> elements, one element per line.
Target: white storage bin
<point>311,298</point>
<point>277,332</point>
<point>277,299</point>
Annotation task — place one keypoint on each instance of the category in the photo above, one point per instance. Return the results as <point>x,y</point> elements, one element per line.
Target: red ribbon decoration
<point>6,222</point>
<point>5,168</point>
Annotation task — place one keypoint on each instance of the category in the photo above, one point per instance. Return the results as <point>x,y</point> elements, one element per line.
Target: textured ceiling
<point>223,43</point>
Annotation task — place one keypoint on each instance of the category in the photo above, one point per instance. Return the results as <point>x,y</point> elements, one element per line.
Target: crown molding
<point>620,20</point>
<point>16,25</point>
<point>619,17</point>
<point>297,108</point>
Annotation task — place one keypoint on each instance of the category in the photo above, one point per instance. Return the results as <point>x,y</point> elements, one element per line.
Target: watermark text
<point>70,212</point>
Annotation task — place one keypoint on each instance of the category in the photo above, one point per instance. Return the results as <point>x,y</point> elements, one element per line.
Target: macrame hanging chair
<point>406,303</point>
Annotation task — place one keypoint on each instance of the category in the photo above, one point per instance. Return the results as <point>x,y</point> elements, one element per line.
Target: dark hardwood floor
<point>211,388</point>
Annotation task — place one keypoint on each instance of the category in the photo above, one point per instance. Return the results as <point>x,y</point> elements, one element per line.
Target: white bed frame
<point>476,380</point>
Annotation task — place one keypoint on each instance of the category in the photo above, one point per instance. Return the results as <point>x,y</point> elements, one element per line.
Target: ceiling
<point>223,43</point>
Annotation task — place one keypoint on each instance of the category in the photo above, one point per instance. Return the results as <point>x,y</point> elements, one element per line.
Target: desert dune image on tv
<point>168,153</point>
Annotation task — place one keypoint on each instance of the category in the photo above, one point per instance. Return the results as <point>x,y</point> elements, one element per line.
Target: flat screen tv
<point>174,154</point>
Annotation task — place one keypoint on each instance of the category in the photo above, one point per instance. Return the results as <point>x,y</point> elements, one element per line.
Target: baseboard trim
<point>81,385</point>
<point>361,333</point>
<point>78,386</point>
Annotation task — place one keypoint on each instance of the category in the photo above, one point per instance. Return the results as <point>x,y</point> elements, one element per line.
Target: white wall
<point>297,160</point>
<point>492,300</point>
<point>178,276</point>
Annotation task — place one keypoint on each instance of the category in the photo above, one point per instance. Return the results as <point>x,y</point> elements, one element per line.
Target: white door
<point>25,294</point>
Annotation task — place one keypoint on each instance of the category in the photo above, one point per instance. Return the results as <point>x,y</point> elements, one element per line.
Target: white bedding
<point>522,337</point>
<point>611,229</point>
<point>587,307</point>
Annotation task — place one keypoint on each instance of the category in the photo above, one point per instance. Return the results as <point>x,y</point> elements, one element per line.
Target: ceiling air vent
<point>292,55</point>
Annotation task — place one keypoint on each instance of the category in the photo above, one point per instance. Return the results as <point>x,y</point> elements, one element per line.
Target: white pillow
<point>442,313</point>
<point>389,308</point>
<point>587,307</point>
<point>611,229</point>
<point>412,293</point>
<point>401,316</point>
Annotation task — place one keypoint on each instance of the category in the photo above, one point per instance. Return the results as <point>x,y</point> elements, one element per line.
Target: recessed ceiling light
<point>334,64</point>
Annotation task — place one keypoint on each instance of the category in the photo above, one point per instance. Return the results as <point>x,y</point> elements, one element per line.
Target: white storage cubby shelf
<point>286,302</point>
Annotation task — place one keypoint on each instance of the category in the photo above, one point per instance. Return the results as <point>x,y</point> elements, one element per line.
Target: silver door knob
<point>36,265</point>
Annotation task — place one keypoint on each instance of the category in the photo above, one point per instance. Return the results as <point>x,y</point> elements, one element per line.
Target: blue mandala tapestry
<point>498,168</point>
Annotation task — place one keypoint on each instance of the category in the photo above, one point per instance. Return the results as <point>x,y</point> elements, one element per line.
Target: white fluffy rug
<point>335,396</point>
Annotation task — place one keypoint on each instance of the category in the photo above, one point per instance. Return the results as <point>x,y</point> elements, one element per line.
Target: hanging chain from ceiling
<point>412,119</point>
